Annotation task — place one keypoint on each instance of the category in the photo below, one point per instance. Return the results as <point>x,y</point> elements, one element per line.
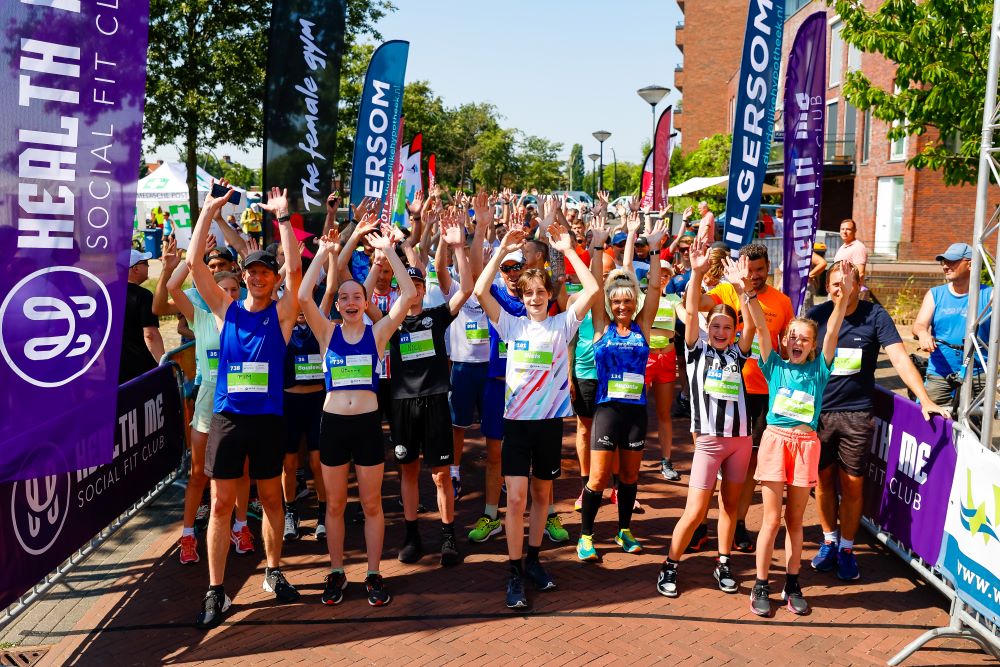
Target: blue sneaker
<point>585,548</point>
<point>847,565</point>
<point>826,559</point>
<point>515,592</point>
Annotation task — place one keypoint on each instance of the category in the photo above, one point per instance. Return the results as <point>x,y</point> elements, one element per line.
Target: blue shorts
<point>468,390</point>
<point>493,404</point>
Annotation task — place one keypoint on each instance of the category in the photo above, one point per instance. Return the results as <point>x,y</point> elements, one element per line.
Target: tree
<point>234,172</point>
<point>711,158</point>
<point>941,49</point>
<point>576,168</point>
<point>495,159</point>
<point>540,164</point>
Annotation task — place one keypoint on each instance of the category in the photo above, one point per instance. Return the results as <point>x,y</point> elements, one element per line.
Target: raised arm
<point>484,222</point>
<point>839,296</point>
<point>320,324</point>
<point>738,275</point>
<point>174,284</point>
<point>453,235</point>
<point>562,240</point>
<point>171,259</point>
<point>633,223</point>
<point>652,303</point>
<point>288,305</point>
<point>330,294</point>
<point>692,299</point>
<point>231,235</point>
<point>513,240</point>
<point>216,300</point>
<point>332,205</point>
<point>385,327</point>
<point>598,237</point>
<point>367,217</point>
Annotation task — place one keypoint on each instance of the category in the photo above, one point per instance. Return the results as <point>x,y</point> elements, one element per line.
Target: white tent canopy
<point>701,182</point>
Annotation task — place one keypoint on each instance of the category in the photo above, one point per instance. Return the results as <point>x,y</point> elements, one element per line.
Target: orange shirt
<point>777,309</point>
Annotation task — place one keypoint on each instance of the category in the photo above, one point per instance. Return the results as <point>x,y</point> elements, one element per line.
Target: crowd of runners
<point>519,317</point>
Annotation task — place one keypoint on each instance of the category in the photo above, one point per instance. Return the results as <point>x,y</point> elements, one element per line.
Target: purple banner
<point>45,520</point>
<point>805,112</point>
<point>70,137</point>
<point>910,470</point>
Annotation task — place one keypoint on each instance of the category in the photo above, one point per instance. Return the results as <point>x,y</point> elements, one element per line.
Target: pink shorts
<point>713,452</point>
<point>661,367</point>
<point>788,456</point>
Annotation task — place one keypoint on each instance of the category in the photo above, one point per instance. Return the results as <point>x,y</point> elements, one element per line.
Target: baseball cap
<point>261,257</point>
<point>665,264</point>
<point>517,257</point>
<point>642,240</point>
<point>219,252</point>
<point>137,257</point>
<point>954,251</point>
<point>415,273</point>
<point>619,237</point>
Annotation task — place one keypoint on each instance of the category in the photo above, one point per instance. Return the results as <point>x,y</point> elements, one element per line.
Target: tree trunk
<point>191,162</point>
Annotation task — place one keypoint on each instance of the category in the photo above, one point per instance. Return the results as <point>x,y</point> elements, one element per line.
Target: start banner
<point>46,519</point>
<point>70,134</point>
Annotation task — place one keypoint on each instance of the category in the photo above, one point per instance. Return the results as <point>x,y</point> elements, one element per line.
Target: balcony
<point>839,154</point>
<point>679,36</point>
<point>680,5</point>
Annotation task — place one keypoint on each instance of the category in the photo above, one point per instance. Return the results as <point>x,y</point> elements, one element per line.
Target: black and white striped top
<point>718,397</point>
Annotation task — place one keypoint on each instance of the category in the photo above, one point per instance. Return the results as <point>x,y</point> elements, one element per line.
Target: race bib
<point>795,404</point>
<point>416,345</point>
<point>475,335</point>
<point>432,277</point>
<point>666,314</point>
<point>213,364</point>
<point>723,385</point>
<point>249,377</point>
<point>502,350</point>
<point>627,386</point>
<point>847,361</point>
<point>755,349</point>
<point>308,367</point>
<point>531,355</point>
<point>573,288</point>
<point>350,371</point>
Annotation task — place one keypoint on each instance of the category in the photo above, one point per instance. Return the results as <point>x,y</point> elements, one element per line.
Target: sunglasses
<point>512,267</point>
<point>620,245</point>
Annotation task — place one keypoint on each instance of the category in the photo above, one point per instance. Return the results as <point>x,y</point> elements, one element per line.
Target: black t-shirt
<point>867,329</point>
<point>417,354</point>
<point>136,358</point>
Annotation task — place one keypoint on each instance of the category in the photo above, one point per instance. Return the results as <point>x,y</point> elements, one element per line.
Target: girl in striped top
<point>719,420</point>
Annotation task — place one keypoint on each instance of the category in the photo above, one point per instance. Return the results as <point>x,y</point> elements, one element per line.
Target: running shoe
<point>412,551</point>
<point>554,529</point>
<point>794,600</point>
<point>449,550</point>
<point>742,539</point>
<point>578,504</point>
<point>666,583</point>
<point>760,600</point>
<point>637,508</point>
<point>201,515</point>
<point>334,585</point>
<point>291,526</point>
<point>378,596</point>
<point>723,575</point>
<point>585,550</point>
<point>682,407</point>
<point>515,592</point>
<point>255,509</point>
<point>242,540</point>
<point>456,485</point>
<point>699,539</point>
<point>668,472</point>
<point>275,582</point>
<point>847,565</point>
<point>213,608</point>
<point>826,558</point>
<point>534,571</point>
<point>189,549</point>
<point>320,532</point>
<point>485,528</point>
<point>624,539</point>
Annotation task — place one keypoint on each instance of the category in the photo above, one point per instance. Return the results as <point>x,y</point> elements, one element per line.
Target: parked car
<point>578,196</point>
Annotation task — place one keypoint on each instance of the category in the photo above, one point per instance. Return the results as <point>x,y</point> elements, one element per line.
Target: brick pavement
<point>601,613</point>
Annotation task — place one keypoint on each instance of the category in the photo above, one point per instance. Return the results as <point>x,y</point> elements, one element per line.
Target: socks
<point>371,572</point>
<point>218,589</point>
<point>552,510</point>
<point>517,567</point>
<point>588,510</point>
<point>533,553</point>
<point>723,559</point>
<point>671,563</point>
<point>291,507</point>
<point>412,534</point>
<point>336,570</point>
<point>832,536</point>
<point>791,581</point>
<point>491,511</point>
<point>626,504</point>
<point>760,582</point>
<point>238,525</point>
<point>846,544</point>
<point>187,532</point>
<point>455,472</point>
<point>447,528</point>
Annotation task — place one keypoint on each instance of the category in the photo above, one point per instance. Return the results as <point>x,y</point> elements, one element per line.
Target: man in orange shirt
<point>778,310</point>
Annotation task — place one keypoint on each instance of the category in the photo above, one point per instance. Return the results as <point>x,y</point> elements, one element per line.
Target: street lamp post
<point>593,168</point>
<point>614,190</point>
<point>601,136</point>
<point>652,95</point>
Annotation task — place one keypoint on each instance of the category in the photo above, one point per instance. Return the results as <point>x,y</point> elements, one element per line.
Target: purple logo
<point>38,510</point>
<point>54,324</point>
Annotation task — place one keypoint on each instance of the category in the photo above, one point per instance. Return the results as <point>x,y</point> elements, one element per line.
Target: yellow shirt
<point>250,221</point>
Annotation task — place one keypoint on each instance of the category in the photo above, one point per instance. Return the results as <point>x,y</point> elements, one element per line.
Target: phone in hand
<point>219,191</point>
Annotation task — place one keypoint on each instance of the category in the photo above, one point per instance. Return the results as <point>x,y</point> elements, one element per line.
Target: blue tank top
<point>251,362</point>
<point>498,349</point>
<point>303,363</point>
<point>948,324</point>
<point>583,363</point>
<point>351,365</point>
<point>621,366</point>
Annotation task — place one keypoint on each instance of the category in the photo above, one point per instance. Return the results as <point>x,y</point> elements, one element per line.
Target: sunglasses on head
<point>512,267</point>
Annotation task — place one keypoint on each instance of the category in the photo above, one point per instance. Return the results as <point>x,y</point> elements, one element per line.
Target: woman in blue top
<point>789,449</point>
<point>621,349</point>
<point>351,428</point>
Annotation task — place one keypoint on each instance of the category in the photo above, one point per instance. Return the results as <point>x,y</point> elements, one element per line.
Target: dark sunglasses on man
<point>507,268</point>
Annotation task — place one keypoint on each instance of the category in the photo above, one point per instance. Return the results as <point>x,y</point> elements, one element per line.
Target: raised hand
<point>452,230</point>
<point>560,238</point>
<point>506,195</point>
<point>512,241</point>
<point>171,258</point>
<point>363,208</point>
<point>252,244</point>
<point>211,243</point>
<point>333,201</point>
<point>633,223</point>
<point>656,235</point>
<point>665,211</point>
<point>698,256</point>
<point>737,273</point>
<point>381,242</point>
<point>329,242</point>
<point>213,205</point>
<point>634,202</point>
<point>688,212</point>
<point>417,205</point>
<point>847,282</point>
<point>599,231</point>
<point>277,202</point>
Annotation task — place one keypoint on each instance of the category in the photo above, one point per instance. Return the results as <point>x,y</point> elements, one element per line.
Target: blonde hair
<point>805,321</point>
<point>715,267</point>
<point>620,283</point>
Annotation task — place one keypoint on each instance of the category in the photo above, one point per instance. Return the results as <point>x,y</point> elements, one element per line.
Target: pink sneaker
<point>578,505</point>
<point>242,540</point>
<point>189,550</point>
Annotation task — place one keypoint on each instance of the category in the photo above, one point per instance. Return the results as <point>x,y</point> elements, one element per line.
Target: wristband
<point>749,296</point>
<point>284,218</point>
<point>597,247</point>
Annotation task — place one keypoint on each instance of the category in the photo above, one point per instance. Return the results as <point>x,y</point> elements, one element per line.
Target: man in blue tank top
<point>940,324</point>
<point>247,429</point>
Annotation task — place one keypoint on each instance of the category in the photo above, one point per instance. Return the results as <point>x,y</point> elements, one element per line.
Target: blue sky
<point>559,69</point>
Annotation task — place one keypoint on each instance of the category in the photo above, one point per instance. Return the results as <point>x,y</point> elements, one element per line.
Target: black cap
<point>261,257</point>
<point>642,241</point>
<point>219,252</point>
<point>415,273</point>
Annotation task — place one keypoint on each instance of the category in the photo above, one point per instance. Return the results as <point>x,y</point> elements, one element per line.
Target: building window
<point>792,6</point>
<point>866,138</point>
<point>888,215</point>
<point>853,58</point>
<point>897,149</point>
<point>952,142</point>
<point>836,54</point>
<point>850,132</point>
<point>832,147</point>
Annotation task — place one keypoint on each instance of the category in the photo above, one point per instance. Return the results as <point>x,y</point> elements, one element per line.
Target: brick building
<point>903,215</point>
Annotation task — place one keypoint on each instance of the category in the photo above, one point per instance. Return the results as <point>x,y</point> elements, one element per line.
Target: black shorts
<point>422,425</point>
<point>619,426</point>
<point>234,438</point>
<point>302,415</point>
<point>346,438</point>
<point>384,399</point>
<point>845,438</point>
<point>532,447</point>
<point>757,406</point>
<point>586,396</point>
